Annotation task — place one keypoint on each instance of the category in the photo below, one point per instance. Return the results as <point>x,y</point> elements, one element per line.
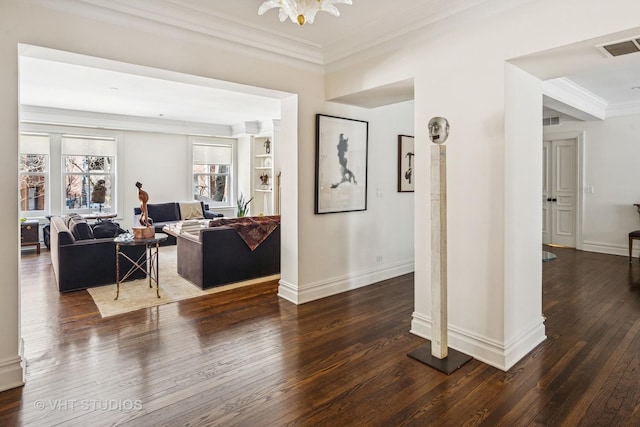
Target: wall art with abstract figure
<point>406,163</point>
<point>341,164</point>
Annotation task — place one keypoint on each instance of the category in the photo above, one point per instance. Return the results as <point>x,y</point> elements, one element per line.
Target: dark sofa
<point>219,256</point>
<point>81,261</point>
<point>161,214</point>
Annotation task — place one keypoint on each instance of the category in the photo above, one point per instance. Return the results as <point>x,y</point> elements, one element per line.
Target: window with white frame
<point>34,175</point>
<point>213,172</point>
<point>88,162</point>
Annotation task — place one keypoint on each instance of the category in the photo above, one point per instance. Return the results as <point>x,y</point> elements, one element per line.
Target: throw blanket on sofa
<point>253,230</point>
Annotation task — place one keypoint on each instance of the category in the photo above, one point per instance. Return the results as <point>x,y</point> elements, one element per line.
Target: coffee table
<point>147,262</point>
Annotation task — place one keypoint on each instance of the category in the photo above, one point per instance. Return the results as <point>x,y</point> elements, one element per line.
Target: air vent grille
<point>621,47</point>
<point>550,121</point>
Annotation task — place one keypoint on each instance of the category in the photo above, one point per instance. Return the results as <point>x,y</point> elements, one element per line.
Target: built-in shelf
<point>263,171</point>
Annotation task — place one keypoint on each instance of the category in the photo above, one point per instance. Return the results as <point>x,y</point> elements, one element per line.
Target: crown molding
<point>88,119</point>
<point>417,28</point>
<point>205,24</point>
<point>567,92</point>
<point>162,16</point>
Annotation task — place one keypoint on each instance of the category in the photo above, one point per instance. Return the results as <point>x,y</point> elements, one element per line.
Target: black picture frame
<point>341,164</point>
<point>406,163</point>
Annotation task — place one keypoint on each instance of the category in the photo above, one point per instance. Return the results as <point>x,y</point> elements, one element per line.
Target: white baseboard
<point>12,372</point>
<point>499,355</point>
<point>314,291</point>
<point>610,248</point>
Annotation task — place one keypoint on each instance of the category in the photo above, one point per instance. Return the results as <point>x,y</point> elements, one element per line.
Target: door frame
<point>579,136</point>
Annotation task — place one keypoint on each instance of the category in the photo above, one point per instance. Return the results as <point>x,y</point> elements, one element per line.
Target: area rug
<point>136,294</point>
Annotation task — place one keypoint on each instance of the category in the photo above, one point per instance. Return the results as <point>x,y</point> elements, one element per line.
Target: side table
<point>147,262</point>
<point>30,234</point>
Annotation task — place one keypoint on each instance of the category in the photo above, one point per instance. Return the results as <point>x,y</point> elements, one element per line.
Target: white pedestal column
<point>439,251</point>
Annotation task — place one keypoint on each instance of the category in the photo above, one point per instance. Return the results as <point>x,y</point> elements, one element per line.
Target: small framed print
<point>406,162</point>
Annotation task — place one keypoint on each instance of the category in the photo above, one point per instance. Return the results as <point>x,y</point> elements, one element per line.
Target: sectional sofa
<point>161,214</point>
<point>80,260</point>
<point>230,250</point>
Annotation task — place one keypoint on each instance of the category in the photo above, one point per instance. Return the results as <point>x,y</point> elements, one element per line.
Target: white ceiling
<point>49,80</point>
<point>52,84</point>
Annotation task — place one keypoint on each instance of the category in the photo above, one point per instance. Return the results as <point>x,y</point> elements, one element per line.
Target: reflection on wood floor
<point>248,357</point>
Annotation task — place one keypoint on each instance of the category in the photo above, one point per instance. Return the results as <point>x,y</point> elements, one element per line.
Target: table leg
<point>117,271</point>
<point>157,272</point>
<point>149,265</point>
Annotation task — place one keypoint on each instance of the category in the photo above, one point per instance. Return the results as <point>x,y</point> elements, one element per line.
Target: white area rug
<point>136,294</point>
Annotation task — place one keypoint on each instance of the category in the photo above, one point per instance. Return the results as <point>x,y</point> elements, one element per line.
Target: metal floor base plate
<point>453,361</point>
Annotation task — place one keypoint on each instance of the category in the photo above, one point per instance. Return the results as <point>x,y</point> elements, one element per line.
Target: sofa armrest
<point>190,258</point>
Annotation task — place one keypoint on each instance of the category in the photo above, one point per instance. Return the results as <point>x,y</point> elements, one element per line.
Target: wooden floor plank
<point>248,357</point>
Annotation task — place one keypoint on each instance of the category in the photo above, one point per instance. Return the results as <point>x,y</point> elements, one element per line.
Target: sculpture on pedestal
<point>146,231</point>
<point>144,198</point>
<point>437,354</point>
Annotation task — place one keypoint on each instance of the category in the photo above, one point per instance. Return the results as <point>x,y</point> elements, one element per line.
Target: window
<point>34,175</point>
<point>88,162</point>
<point>212,172</point>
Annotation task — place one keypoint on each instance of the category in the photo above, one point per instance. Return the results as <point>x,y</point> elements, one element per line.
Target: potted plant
<point>243,206</point>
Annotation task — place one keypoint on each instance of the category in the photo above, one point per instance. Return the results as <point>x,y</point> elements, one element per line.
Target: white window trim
<point>36,214</point>
<point>57,198</point>
<point>233,178</point>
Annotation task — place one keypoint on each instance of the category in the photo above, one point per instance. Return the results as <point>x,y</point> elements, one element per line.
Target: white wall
<point>347,250</point>
<point>244,169</point>
<point>611,149</point>
<point>354,249</point>
<point>494,160</point>
<point>458,75</point>
<point>321,253</point>
<point>161,163</point>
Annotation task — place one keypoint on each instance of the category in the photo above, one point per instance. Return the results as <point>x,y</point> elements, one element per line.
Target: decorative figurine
<point>264,179</point>
<point>98,195</point>
<point>144,198</point>
<point>146,231</point>
<point>267,146</point>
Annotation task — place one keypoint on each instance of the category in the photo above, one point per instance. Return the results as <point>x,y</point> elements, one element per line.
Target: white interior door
<point>559,192</point>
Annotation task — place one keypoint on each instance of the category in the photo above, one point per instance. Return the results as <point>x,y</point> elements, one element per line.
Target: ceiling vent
<point>550,121</point>
<point>621,47</point>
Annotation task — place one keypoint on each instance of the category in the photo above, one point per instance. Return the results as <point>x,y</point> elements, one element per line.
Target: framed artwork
<point>341,164</point>
<point>406,162</point>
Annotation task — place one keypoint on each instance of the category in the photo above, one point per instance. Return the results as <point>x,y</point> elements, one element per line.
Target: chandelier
<point>301,11</point>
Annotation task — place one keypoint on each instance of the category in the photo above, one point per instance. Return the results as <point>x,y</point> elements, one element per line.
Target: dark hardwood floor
<point>246,357</point>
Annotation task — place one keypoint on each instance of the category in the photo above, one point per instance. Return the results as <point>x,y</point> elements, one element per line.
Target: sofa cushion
<point>163,212</point>
<point>68,218</point>
<point>191,210</point>
<point>80,229</point>
<point>104,229</point>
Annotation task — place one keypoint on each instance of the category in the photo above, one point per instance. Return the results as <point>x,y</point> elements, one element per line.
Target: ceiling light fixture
<point>301,11</point>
